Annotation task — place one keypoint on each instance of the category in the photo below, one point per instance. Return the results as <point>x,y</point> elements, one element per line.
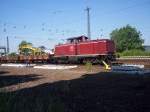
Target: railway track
<point>135,60</point>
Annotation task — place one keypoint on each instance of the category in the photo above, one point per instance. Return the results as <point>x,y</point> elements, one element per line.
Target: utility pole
<point>88,23</point>
<point>7,45</point>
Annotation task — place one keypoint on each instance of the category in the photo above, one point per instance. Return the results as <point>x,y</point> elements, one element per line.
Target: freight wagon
<point>23,59</point>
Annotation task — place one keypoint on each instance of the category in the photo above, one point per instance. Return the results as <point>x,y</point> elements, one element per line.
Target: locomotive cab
<point>77,39</point>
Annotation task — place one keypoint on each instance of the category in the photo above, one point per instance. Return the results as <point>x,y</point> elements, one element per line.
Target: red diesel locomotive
<point>81,49</point>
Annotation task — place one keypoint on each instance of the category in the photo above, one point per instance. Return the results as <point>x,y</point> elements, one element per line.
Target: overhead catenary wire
<point>15,26</point>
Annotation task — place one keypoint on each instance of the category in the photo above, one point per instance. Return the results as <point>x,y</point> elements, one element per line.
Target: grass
<point>88,66</point>
<point>5,102</point>
<point>133,53</point>
<point>9,103</point>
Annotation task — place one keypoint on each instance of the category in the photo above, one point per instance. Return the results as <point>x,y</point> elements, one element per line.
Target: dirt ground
<point>30,77</point>
<point>74,90</point>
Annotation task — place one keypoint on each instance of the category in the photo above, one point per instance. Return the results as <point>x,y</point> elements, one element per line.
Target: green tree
<point>24,43</point>
<point>13,54</point>
<point>127,38</point>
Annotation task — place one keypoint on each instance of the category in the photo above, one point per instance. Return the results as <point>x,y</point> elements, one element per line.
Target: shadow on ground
<point>101,92</point>
<point>8,80</point>
<point>3,72</point>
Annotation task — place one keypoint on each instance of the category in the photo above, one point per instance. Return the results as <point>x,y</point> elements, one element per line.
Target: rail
<point>136,60</point>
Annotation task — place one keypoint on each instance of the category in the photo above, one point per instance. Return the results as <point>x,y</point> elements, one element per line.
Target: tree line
<point>127,38</point>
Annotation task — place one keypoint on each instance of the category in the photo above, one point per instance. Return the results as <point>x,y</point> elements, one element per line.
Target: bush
<point>88,66</point>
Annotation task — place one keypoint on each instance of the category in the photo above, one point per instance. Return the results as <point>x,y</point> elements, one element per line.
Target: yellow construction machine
<point>31,50</point>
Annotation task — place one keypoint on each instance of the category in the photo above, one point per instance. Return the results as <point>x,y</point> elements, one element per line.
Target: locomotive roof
<point>80,37</point>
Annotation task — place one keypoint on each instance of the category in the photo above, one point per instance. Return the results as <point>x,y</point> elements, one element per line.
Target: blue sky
<point>47,22</point>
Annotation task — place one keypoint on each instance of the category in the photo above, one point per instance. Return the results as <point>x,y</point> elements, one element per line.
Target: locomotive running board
<point>87,55</point>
